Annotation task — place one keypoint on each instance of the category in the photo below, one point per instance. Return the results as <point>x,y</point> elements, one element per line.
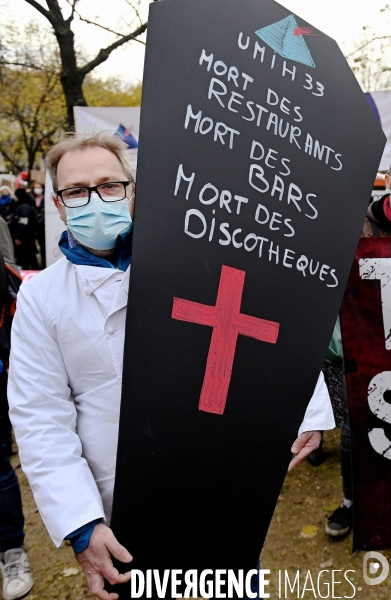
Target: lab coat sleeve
<point>319,414</point>
<point>43,415</point>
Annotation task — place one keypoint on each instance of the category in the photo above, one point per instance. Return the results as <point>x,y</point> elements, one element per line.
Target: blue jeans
<point>11,514</point>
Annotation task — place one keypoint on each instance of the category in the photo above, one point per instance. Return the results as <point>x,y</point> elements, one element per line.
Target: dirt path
<point>49,564</point>
<point>308,496</point>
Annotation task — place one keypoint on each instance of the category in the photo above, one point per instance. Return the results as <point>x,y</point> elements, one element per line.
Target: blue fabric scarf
<point>4,200</point>
<point>78,255</point>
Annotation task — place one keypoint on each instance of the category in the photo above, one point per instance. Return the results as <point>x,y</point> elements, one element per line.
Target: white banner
<point>381,105</point>
<point>123,121</point>
<point>53,225</point>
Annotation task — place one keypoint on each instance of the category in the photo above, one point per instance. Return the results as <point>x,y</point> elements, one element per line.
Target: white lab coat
<point>65,388</point>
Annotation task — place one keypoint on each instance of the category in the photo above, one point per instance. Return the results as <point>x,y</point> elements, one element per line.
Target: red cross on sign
<point>227,322</point>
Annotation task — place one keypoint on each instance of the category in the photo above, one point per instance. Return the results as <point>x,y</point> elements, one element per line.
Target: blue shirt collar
<point>78,255</point>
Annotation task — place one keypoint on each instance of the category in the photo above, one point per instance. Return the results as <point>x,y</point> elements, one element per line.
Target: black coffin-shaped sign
<point>257,156</point>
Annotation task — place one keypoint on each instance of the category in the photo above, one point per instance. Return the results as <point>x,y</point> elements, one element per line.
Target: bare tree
<point>370,59</point>
<point>71,72</point>
<point>372,66</point>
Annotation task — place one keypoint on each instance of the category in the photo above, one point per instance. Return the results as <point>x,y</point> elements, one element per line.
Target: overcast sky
<point>341,19</point>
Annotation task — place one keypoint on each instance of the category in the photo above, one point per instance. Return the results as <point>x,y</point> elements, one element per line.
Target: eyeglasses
<point>111,191</point>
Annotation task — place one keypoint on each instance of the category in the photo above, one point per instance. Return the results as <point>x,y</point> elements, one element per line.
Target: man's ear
<point>132,199</point>
<point>388,181</point>
<point>60,207</point>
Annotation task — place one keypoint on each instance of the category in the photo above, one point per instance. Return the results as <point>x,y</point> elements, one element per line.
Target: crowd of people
<point>22,212</point>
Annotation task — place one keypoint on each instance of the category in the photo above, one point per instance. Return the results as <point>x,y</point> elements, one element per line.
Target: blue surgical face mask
<point>98,224</point>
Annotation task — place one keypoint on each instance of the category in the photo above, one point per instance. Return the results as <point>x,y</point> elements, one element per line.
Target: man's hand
<point>97,564</point>
<point>306,443</point>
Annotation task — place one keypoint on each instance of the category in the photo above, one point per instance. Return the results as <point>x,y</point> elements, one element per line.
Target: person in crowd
<point>6,245</point>
<point>22,180</point>
<point>339,523</point>
<point>7,202</point>
<point>333,372</point>
<point>38,191</point>
<point>67,354</point>
<point>377,224</point>
<point>22,225</point>
<point>15,568</point>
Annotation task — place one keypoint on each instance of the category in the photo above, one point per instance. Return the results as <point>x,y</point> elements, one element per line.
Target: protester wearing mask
<point>67,354</point>
<point>39,198</point>
<point>22,225</point>
<point>38,194</point>
<point>7,203</point>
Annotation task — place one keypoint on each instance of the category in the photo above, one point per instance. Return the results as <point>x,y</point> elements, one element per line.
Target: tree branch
<point>105,28</point>
<point>72,15</point>
<point>55,12</point>
<point>41,9</point>
<point>98,25</point>
<point>50,85</point>
<point>104,53</point>
<point>24,65</point>
<point>12,161</point>
<point>382,37</point>
<point>135,10</point>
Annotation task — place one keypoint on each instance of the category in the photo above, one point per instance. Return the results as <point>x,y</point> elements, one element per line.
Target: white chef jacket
<point>65,388</point>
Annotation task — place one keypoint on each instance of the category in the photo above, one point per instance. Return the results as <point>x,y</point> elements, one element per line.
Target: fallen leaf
<point>309,531</point>
<point>326,564</point>
<point>331,507</point>
<point>70,571</point>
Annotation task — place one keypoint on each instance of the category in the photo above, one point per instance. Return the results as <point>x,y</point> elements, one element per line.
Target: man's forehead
<point>94,156</point>
<point>86,163</point>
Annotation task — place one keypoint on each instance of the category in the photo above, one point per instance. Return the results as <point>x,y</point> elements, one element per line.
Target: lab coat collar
<point>93,277</point>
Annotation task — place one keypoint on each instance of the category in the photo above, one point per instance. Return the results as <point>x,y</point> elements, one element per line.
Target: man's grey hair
<point>75,141</point>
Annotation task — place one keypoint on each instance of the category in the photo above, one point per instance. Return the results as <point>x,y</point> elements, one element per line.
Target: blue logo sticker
<point>286,38</point>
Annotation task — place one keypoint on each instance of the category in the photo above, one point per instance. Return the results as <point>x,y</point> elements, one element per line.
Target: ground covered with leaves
<point>296,542</point>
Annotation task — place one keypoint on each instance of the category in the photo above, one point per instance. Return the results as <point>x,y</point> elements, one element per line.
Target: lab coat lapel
<point>120,299</point>
<point>90,278</point>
